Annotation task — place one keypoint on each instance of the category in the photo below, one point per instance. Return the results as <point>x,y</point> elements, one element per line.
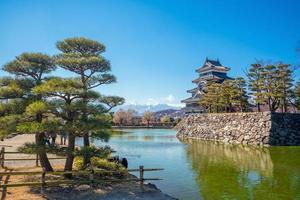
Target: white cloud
<point>152,101</point>
<point>131,102</point>
<point>169,100</point>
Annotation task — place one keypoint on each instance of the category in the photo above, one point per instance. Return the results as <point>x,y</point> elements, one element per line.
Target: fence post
<point>142,176</point>
<point>37,160</point>
<point>2,156</point>
<point>4,191</point>
<point>43,181</point>
<point>91,177</point>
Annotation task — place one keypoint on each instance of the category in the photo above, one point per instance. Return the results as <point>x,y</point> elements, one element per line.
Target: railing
<point>36,159</point>
<point>90,172</point>
<point>43,183</point>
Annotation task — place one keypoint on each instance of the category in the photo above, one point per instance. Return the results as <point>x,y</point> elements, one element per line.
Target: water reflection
<point>205,170</point>
<point>238,172</point>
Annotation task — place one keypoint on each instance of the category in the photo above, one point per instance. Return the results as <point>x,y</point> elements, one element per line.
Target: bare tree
<point>119,117</point>
<point>165,119</point>
<point>129,116</point>
<point>148,117</point>
<point>122,117</point>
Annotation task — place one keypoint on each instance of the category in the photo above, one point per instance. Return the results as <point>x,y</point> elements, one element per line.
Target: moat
<point>196,169</point>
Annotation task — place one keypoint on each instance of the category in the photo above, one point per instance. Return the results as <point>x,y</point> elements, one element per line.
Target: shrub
<point>32,148</point>
<point>102,164</point>
<point>93,151</point>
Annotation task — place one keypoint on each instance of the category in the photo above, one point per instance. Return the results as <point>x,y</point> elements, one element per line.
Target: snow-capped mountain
<point>140,109</point>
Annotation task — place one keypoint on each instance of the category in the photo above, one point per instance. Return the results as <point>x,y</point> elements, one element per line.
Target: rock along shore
<point>257,128</point>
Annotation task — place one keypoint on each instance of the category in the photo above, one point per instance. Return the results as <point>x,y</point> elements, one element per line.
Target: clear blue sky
<point>155,46</point>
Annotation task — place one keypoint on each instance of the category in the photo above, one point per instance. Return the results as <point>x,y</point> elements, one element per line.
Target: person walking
<point>46,138</point>
<point>63,137</point>
<point>53,137</point>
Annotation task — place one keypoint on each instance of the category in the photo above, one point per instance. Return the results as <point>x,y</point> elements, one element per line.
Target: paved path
<point>13,143</point>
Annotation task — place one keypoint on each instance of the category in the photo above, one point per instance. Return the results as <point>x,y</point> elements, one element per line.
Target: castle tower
<point>211,71</point>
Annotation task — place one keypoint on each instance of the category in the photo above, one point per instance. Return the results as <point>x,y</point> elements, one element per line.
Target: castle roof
<point>208,78</point>
<point>193,90</point>
<point>191,100</point>
<point>212,65</point>
<point>213,62</point>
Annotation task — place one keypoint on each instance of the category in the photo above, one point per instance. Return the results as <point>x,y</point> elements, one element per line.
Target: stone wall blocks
<point>246,128</point>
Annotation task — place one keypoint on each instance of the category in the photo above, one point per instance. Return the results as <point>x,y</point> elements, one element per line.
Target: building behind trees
<point>269,87</point>
<point>212,71</point>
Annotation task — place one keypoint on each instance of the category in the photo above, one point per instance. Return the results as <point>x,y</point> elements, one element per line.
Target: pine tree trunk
<point>285,109</point>
<point>86,143</point>
<point>86,139</point>
<point>274,106</point>
<point>70,156</point>
<point>269,103</point>
<point>39,139</point>
<point>258,107</point>
<point>285,97</point>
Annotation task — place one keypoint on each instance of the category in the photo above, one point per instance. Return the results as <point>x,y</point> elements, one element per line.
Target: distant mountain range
<point>169,112</point>
<point>140,109</point>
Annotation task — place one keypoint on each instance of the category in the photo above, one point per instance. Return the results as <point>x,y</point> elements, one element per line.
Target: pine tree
<point>84,57</point>
<point>227,95</point>
<point>63,94</point>
<point>271,87</point>
<point>285,85</point>
<point>241,97</point>
<point>66,97</point>
<point>256,84</point>
<point>211,99</point>
<point>29,70</point>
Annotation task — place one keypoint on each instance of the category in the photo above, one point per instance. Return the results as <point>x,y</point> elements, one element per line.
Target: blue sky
<point>155,46</point>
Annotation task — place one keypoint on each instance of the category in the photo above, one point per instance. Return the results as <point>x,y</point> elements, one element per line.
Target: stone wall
<point>258,128</point>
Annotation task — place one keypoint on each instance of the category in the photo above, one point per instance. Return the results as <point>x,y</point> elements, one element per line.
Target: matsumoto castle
<point>211,71</point>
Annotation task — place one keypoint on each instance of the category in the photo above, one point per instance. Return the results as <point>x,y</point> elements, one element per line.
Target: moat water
<point>205,170</point>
